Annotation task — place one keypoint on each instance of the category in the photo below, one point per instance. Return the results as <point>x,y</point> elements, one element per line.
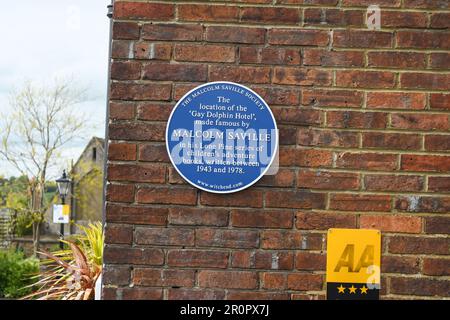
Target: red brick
<point>327,138</point>
<point>122,151</point>
<point>274,280</point>
<point>427,4</point>
<point>142,294</point>
<point>172,32</point>
<point>334,17</point>
<point>310,261</point>
<point>136,215</point>
<point>327,58</point>
<point>400,60</point>
<point>400,264</point>
<point>133,91</point>
<point>256,295</point>
<point>197,258</point>
<point>283,178</point>
<point>279,96</point>
<point>215,13</point>
<point>163,278</point>
<point>154,111</point>
<point>425,81</point>
<point>230,34</point>
<point>122,49</point>
<point>439,101</point>
<point>437,142</point>
<point>286,239</point>
<point>396,100</point>
<point>239,74</point>
<point>439,184</point>
<point>423,204</point>
<point>304,116</point>
<point>129,255</point>
<point>420,286</point>
<point>121,110</point>
<point>269,56</point>
<point>365,79</point>
<point>332,98</point>
<point>362,39</point>
<point>153,153</point>
<point>137,131</point>
<point>228,279</point>
<point>324,221</point>
<point>247,198</point>
<point>164,236</point>
<point>298,37</point>
<point>419,245</point>
<point>406,224</point>
<point>436,267</point>
<point>393,141</point>
<point>287,135</point>
<point>365,3</point>
<point>125,30</point>
<point>153,173</point>
<point>405,183</point>
<point>295,199</point>
<point>423,40</point>
<point>309,2</point>
<point>118,234</point>
<point>141,10</point>
<point>204,53</point>
<point>261,219</point>
<point>198,216</point>
<point>429,122</point>
<point>166,195</point>
<point>355,119</point>
<point>440,20</point>
<point>367,161</point>
<point>274,260</point>
<point>327,180</point>
<point>174,72</point>
<point>226,238</point>
<point>116,275</point>
<point>304,281</point>
<point>440,61</point>
<point>195,294</point>
<point>354,202</point>
<point>302,77</point>
<point>404,19</point>
<point>152,51</point>
<point>270,15</point>
<point>125,70</point>
<point>437,225</point>
<point>312,158</point>
<point>120,192</point>
<point>425,163</point>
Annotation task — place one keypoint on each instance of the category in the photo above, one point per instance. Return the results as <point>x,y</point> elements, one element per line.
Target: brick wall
<point>364,143</point>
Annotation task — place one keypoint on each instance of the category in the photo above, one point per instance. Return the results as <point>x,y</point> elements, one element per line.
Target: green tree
<point>44,119</point>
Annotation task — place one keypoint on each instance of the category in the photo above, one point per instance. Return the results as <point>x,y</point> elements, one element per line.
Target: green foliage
<point>22,224</point>
<point>13,193</point>
<point>15,274</point>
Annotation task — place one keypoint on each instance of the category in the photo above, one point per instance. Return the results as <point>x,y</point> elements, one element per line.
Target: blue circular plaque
<point>221,137</point>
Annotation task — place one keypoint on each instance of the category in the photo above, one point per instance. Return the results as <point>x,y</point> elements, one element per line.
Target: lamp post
<point>63,184</point>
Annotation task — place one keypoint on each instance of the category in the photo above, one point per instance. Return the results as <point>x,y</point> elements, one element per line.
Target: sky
<point>45,39</point>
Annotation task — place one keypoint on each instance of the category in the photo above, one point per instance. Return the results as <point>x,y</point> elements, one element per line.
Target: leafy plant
<point>71,274</point>
<point>22,224</point>
<point>15,274</point>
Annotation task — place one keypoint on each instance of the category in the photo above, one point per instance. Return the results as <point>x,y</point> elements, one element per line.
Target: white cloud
<point>46,38</point>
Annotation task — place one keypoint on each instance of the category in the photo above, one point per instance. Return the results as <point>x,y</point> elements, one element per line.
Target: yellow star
<point>341,289</point>
<point>352,289</point>
<point>363,290</point>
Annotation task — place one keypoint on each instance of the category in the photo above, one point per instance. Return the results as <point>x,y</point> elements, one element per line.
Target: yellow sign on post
<point>353,264</point>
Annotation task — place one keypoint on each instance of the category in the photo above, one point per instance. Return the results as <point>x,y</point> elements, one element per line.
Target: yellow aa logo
<point>353,255</point>
<point>347,259</point>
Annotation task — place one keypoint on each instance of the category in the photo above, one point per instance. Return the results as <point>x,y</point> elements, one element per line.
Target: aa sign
<point>353,264</point>
<point>61,213</point>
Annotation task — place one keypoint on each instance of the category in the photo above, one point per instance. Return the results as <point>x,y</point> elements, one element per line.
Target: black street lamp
<point>63,184</point>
